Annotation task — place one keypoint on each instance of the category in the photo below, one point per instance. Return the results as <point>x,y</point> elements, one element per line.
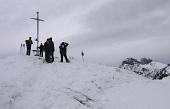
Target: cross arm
<point>37,19</point>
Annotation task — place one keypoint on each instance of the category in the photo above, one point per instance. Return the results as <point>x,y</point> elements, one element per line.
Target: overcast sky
<point>104,29</point>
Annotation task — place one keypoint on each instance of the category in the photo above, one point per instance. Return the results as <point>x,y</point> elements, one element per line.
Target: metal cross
<point>37,19</point>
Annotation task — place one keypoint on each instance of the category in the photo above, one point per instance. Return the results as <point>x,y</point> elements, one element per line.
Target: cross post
<point>37,39</point>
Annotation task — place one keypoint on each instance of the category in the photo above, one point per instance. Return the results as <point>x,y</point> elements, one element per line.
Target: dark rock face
<point>145,61</point>
<point>146,67</point>
<point>130,61</point>
<point>163,72</point>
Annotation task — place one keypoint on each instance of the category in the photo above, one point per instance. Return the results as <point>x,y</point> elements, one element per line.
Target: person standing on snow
<point>47,50</point>
<point>63,51</point>
<point>51,48</point>
<point>41,50</point>
<point>28,44</point>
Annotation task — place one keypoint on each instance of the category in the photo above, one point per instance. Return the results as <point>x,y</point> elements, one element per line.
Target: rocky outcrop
<point>164,72</point>
<point>146,67</point>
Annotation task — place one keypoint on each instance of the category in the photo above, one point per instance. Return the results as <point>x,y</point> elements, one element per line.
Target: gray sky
<point>107,30</point>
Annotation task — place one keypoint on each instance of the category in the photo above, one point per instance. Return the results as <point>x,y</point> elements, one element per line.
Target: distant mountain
<point>146,67</point>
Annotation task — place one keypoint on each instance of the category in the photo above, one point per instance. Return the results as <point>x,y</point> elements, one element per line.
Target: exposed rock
<point>130,61</point>
<point>147,68</point>
<point>145,60</point>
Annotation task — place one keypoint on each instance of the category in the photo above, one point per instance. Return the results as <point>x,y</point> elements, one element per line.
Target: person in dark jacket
<point>41,50</point>
<point>47,50</point>
<point>51,48</point>
<point>63,51</point>
<point>28,44</point>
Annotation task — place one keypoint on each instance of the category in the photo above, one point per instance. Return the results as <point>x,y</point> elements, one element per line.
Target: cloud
<point>105,29</point>
<point>134,18</point>
<point>121,29</point>
<point>61,20</point>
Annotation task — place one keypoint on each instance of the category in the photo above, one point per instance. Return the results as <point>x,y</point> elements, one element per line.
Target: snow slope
<point>30,83</point>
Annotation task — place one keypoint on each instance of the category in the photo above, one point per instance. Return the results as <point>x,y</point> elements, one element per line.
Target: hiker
<point>47,50</point>
<point>41,50</point>
<point>28,44</point>
<point>51,48</point>
<point>63,51</point>
<point>82,54</point>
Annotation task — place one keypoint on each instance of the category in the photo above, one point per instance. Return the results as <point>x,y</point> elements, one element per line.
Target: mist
<point>108,31</point>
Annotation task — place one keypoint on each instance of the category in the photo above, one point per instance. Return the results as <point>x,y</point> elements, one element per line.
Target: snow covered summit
<point>29,83</point>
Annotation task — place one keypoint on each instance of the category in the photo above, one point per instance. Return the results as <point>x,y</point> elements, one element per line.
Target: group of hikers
<point>48,48</point>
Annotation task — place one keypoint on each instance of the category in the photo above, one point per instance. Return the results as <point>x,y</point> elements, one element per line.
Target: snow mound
<point>30,83</point>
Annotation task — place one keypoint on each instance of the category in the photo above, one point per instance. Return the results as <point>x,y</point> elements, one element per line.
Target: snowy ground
<point>29,83</point>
